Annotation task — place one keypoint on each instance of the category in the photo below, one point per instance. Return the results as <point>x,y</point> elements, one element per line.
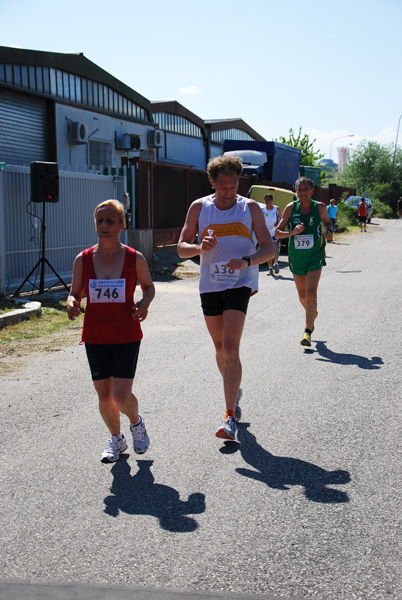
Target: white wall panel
<point>69,223</point>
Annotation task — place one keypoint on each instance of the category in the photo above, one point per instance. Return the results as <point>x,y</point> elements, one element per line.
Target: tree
<point>309,156</point>
<point>372,170</point>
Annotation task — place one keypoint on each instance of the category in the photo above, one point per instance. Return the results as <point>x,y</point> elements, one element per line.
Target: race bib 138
<point>219,273</point>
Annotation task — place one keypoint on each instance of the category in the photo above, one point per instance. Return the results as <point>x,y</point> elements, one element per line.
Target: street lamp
<point>393,162</point>
<point>338,138</point>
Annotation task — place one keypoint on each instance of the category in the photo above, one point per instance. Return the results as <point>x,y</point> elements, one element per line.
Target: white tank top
<point>271,218</point>
<point>234,229</point>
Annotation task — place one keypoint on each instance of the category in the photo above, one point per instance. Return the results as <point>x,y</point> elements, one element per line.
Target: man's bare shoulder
<point>253,204</point>
<point>288,207</point>
<point>322,207</point>
<point>195,206</point>
<point>198,201</point>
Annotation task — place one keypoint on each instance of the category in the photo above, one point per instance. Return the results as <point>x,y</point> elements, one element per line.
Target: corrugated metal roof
<point>73,63</point>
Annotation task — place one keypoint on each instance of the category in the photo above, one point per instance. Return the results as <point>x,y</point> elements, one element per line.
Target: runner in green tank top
<point>306,250</point>
<point>304,218</point>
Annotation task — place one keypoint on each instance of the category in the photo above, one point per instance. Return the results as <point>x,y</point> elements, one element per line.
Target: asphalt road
<point>307,503</point>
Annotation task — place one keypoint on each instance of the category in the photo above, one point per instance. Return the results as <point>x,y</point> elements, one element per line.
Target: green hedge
<point>346,217</point>
<point>382,210</point>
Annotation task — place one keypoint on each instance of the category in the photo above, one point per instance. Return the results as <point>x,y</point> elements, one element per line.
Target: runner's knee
<point>230,353</point>
<point>105,400</point>
<point>311,295</point>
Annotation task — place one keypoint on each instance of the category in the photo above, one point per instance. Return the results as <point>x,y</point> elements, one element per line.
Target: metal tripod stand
<point>41,263</point>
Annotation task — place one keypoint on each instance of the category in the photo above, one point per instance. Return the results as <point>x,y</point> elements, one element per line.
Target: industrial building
<point>108,141</point>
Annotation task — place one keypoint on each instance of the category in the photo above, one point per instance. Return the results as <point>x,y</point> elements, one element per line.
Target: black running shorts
<point>215,303</point>
<point>113,360</point>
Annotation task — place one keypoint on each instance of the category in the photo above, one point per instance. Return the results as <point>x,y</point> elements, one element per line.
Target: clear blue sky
<point>332,68</point>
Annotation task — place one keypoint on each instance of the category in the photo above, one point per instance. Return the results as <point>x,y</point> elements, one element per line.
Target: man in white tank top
<point>225,222</point>
<point>273,215</point>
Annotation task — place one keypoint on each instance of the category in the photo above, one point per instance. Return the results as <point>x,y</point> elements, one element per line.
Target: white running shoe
<point>115,447</point>
<point>228,429</point>
<point>141,439</point>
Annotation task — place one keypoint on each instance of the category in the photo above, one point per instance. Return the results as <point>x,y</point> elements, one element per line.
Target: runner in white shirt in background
<point>273,215</point>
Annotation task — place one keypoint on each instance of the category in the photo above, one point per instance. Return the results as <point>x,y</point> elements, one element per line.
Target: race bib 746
<point>107,290</point>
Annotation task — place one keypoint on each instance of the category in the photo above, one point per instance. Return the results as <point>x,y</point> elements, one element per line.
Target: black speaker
<point>44,182</point>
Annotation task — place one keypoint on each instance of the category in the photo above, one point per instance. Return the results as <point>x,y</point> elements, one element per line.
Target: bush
<point>382,210</point>
<point>346,217</point>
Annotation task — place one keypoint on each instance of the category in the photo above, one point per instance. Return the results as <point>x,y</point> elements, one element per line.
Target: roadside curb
<point>46,590</point>
<point>28,310</point>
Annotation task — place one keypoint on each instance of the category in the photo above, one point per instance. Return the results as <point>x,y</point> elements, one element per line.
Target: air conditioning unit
<point>127,141</point>
<point>78,133</point>
<point>155,138</point>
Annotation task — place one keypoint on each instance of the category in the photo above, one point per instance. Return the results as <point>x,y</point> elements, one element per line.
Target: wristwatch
<point>247,258</point>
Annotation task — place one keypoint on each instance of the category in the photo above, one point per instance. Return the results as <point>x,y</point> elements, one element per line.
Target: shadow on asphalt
<point>280,472</point>
<point>280,277</point>
<point>283,264</point>
<point>166,277</point>
<point>138,494</point>
<point>347,359</point>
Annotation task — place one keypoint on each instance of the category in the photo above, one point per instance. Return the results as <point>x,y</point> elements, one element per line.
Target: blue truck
<point>270,161</point>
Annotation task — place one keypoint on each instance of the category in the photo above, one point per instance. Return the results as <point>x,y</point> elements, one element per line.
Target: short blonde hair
<point>118,206</point>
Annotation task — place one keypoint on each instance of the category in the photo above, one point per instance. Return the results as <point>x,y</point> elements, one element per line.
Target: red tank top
<point>107,321</point>
<point>362,209</point>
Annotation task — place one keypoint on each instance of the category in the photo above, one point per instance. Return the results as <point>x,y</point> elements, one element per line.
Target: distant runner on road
<point>362,212</point>
<point>108,273</point>
<point>333,214</point>
<point>304,217</point>
<point>400,206</point>
<point>273,215</point>
<point>224,222</point>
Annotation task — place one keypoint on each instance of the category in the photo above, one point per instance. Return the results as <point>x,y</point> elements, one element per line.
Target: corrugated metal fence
<point>69,224</point>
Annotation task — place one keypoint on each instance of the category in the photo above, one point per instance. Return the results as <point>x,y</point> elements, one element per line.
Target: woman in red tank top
<point>108,273</point>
